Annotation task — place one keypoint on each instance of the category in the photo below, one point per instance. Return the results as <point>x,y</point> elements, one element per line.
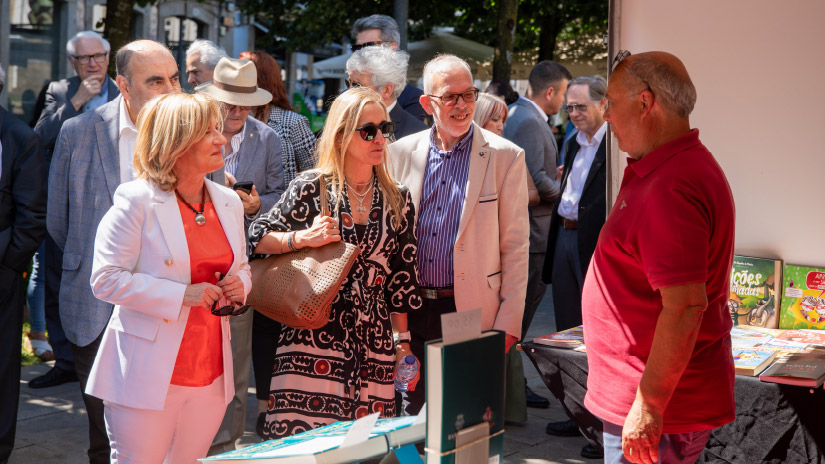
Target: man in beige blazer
<point>470,192</point>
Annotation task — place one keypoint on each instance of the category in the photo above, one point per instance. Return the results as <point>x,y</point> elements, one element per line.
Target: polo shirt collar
<point>657,157</point>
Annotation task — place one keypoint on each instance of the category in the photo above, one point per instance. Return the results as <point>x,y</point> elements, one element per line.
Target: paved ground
<point>52,427</point>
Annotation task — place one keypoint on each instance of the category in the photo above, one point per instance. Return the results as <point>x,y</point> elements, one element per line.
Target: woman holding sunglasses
<point>345,369</point>
<point>164,366</point>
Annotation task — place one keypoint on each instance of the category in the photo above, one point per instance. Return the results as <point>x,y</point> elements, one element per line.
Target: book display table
<point>774,423</point>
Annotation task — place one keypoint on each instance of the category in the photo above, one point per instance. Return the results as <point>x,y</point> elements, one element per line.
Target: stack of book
<point>571,338</point>
<point>803,369</point>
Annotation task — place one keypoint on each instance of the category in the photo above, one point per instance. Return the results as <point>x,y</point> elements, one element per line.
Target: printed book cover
<point>570,338</point>
<point>809,337</point>
<point>322,445</point>
<point>465,387</point>
<point>754,291</point>
<point>803,369</point>
<point>803,298</point>
<point>752,361</point>
<point>744,333</point>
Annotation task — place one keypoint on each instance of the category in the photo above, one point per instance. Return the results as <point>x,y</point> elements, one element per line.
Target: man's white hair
<point>71,49</point>
<point>384,65</point>
<point>443,64</point>
<point>210,52</point>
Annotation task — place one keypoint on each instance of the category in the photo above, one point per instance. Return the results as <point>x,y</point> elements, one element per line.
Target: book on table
<point>465,388</point>
<point>570,338</point>
<point>803,369</point>
<point>323,445</point>
<point>751,361</point>
<point>755,291</point>
<point>803,298</point>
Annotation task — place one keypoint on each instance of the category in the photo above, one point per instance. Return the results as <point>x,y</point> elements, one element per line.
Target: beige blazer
<point>141,265</point>
<point>491,249</point>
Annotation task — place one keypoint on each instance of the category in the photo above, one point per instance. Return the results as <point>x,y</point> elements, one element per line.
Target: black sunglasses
<point>356,47</point>
<point>369,131</point>
<point>228,310</point>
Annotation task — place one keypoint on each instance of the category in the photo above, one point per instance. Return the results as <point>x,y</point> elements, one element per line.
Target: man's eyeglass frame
<point>356,47</point>
<point>451,99</point>
<point>84,59</point>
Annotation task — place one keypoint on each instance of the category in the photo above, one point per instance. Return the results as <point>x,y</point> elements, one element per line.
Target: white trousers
<point>179,434</point>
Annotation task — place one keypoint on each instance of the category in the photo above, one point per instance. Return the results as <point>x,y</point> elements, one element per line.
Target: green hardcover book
<point>465,387</point>
<point>803,298</point>
<point>754,291</point>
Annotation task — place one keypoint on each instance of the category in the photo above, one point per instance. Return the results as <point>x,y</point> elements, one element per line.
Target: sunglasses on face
<point>353,84</point>
<point>356,47</point>
<point>451,99</point>
<point>571,108</point>
<point>370,130</point>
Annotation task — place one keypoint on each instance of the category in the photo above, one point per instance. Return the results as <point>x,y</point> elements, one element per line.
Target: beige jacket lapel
<point>418,167</point>
<point>480,155</point>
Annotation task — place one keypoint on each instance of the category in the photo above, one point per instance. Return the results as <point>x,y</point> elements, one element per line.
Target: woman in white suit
<point>164,367</point>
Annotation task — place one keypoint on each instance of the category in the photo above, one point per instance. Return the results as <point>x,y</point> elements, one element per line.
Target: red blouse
<point>200,357</point>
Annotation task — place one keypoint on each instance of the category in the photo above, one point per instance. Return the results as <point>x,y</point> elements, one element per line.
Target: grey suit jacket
<point>528,129</point>
<point>259,161</point>
<point>405,123</point>
<point>83,177</point>
<point>58,109</point>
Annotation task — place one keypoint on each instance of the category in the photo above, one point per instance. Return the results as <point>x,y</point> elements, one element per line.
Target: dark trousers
<point>12,295</point>
<point>425,325</point>
<point>265,335</point>
<point>536,288</point>
<point>567,280</point>
<point>84,357</point>
<point>61,346</point>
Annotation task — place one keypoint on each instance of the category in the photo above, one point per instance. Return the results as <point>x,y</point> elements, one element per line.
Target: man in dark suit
<point>22,227</point>
<point>253,154</point>
<point>88,54</point>
<point>383,30</point>
<point>384,70</point>
<point>527,126</point>
<point>578,215</point>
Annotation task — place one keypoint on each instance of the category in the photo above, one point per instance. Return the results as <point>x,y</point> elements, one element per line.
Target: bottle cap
<point>409,359</point>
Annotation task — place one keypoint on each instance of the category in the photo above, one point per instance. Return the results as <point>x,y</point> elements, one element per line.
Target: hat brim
<point>260,97</point>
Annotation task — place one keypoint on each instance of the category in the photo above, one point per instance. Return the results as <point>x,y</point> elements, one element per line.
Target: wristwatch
<point>401,337</point>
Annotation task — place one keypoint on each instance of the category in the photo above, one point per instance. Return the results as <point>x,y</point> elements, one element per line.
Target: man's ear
<point>123,85</point>
<point>647,99</point>
<point>386,92</point>
<point>426,103</point>
<point>548,94</point>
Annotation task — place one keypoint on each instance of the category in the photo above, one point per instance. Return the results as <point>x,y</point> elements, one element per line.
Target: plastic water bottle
<point>405,371</point>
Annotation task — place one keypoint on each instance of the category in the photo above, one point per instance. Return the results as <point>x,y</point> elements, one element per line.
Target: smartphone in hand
<point>245,187</point>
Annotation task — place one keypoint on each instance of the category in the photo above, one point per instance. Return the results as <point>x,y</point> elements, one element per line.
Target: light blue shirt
<point>100,99</point>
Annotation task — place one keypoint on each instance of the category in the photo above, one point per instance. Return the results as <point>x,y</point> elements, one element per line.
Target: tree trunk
<point>550,28</point>
<point>118,23</point>
<point>503,57</point>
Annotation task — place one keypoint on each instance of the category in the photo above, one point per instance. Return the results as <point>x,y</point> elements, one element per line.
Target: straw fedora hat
<point>236,82</point>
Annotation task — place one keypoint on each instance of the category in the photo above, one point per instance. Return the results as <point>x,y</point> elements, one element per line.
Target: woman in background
<point>344,370</point>
<point>164,367</point>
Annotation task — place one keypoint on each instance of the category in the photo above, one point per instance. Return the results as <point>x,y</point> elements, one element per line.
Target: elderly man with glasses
<point>469,187</point>
<point>379,30</point>
<point>253,167</point>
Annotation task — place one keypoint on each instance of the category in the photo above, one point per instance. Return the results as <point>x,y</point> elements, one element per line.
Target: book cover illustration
<point>808,337</point>
<point>751,361</point>
<point>754,294</point>
<point>804,369</point>
<point>570,338</point>
<point>741,335</point>
<point>803,298</point>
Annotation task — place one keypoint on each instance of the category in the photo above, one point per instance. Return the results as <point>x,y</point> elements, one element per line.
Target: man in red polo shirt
<point>654,299</point>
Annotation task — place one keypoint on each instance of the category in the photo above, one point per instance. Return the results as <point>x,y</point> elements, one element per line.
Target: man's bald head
<point>664,75</point>
<point>138,47</point>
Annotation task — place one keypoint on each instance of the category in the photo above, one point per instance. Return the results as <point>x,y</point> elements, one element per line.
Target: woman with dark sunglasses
<point>171,248</point>
<point>345,369</point>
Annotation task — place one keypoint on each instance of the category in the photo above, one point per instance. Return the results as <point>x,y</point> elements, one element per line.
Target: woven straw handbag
<point>297,288</point>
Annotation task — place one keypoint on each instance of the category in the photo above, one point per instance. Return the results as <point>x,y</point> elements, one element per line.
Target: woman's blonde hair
<point>167,127</point>
<point>489,107</point>
<point>339,130</point>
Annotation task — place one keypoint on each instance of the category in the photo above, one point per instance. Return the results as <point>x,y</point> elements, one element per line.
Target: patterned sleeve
<point>402,292</point>
<point>303,144</point>
<point>295,210</point>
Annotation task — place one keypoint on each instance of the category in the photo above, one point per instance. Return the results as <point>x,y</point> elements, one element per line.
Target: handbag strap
<point>324,200</point>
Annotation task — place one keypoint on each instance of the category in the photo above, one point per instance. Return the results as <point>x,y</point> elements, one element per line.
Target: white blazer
<point>141,265</point>
<point>490,251</point>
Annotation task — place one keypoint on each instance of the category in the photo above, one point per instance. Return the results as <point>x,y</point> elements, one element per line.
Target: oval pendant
<point>200,219</point>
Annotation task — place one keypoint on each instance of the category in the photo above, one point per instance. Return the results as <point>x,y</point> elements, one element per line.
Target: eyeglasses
<point>356,47</point>
<point>228,310</point>
<point>621,57</point>
<point>571,108</point>
<point>84,59</point>
<point>353,84</point>
<point>230,108</point>
<point>370,130</point>
<point>451,99</point>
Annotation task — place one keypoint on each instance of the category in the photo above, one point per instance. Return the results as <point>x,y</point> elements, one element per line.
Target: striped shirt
<point>230,161</point>
<point>442,197</point>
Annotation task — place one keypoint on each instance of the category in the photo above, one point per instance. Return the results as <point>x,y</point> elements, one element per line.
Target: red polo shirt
<point>672,224</point>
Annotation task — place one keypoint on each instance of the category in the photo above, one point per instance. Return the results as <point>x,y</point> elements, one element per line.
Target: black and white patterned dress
<point>343,370</point>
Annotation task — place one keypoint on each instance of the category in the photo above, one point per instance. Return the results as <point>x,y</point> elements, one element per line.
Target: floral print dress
<point>344,370</point>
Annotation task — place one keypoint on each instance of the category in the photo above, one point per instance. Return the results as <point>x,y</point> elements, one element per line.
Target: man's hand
<point>88,88</point>
<point>251,201</point>
<point>559,172</point>
<point>641,433</point>
<point>229,179</point>
<point>509,341</point>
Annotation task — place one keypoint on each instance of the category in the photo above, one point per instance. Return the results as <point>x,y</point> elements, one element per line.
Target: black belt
<point>569,223</point>
<point>437,293</point>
